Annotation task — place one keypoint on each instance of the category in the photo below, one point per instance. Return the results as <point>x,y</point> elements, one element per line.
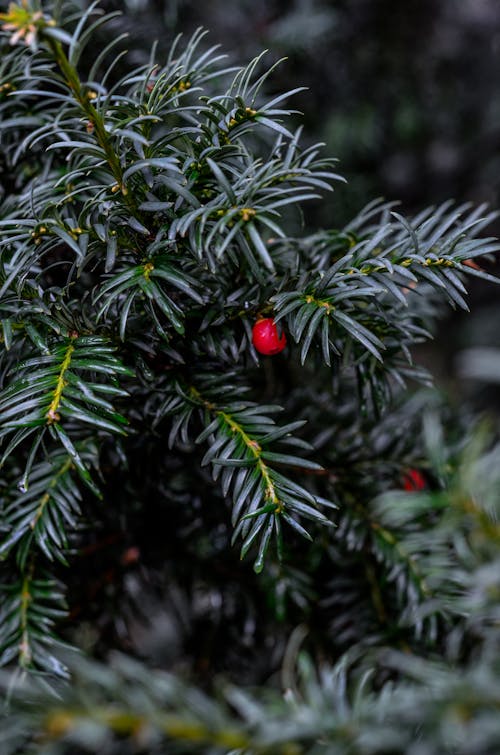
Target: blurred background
<point>404,94</point>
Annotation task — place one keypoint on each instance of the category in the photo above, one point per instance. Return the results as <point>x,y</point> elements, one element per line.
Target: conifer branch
<point>84,99</point>
<point>145,232</point>
<point>52,415</point>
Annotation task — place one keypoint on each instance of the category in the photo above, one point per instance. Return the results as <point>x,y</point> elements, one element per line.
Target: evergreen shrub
<point>294,553</point>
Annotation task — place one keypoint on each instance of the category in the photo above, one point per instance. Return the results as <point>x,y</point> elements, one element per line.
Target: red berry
<point>265,337</point>
<point>414,480</point>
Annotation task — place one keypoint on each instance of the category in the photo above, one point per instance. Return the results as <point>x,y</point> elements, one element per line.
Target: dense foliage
<point>148,220</point>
